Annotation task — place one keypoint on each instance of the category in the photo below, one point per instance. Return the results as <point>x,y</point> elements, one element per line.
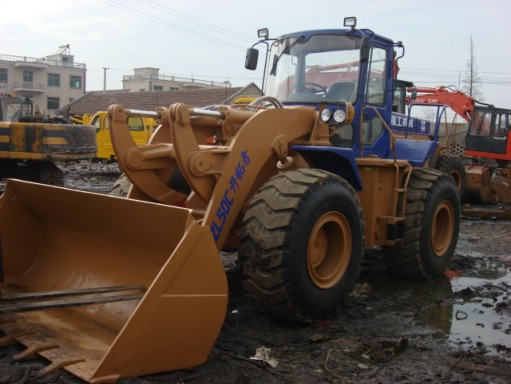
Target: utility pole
<point>104,78</point>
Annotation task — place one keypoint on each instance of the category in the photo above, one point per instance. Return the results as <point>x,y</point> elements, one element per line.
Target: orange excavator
<point>487,144</point>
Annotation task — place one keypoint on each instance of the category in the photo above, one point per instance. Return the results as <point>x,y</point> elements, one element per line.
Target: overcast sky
<point>207,39</point>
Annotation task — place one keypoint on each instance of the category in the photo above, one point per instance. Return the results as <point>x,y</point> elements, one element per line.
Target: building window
<point>53,103</point>
<point>3,75</point>
<point>28,76</point>
<point>75,82</point>
<point>53,80</point>
<point>158,87</point>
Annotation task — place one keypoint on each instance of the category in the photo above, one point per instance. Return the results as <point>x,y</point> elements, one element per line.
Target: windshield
<point>15,110</point>
<point>321,68</point>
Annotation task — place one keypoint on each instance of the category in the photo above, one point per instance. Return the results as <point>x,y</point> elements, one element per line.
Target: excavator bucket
<point>106,287</point>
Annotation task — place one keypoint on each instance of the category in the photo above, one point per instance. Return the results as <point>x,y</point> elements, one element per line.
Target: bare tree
<point>471,80</point>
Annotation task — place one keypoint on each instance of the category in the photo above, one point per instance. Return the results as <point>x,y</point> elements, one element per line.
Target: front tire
<point>302,244</point>
<point>431,228</point>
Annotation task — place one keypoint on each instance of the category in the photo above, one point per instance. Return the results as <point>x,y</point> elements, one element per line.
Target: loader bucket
<point>106,287</point>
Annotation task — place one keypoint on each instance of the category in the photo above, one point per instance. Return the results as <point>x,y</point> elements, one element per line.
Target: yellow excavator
<point>31,143</point>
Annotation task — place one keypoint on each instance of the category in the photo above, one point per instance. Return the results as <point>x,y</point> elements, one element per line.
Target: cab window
<point>501,126</point>
<point>135,124</point>
<point>375,87</point>
<point>481,124</point>
<point>96,121</point>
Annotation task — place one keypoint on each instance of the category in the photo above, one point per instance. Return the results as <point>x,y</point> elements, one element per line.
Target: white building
<point>148,79</point>
<point>51,82</point>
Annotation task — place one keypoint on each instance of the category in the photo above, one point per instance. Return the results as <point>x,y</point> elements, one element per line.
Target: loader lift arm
<point>221,177</point>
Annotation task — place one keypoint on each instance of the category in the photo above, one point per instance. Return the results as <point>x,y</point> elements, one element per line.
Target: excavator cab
<point>15,108</point>
<point>489,133</point>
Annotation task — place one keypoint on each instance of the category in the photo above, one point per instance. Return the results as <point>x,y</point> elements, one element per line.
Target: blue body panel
<point>416,152</point>
<point>337,160</point>
<point>404,125</point>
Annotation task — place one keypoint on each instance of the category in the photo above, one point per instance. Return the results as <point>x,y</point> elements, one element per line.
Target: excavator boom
<point>458,101</point>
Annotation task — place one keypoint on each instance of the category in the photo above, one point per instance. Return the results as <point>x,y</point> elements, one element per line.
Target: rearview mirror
<point>251,58</point>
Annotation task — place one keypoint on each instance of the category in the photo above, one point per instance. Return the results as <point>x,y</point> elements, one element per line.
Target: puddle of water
<point>469,309</point>
<point>481,310</point>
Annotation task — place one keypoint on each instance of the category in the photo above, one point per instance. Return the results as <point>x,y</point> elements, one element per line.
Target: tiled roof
<point>92,102</point>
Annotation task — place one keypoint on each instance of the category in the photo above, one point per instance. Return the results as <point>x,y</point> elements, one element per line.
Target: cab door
<point>102,124</point>
<point>376,101</point>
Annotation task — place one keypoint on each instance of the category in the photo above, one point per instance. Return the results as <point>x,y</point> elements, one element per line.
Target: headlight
<point>339,116</point>
<point>325,115</point>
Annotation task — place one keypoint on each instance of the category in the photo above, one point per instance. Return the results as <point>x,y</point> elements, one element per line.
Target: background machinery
<point>30,142</point>
<point>299,182</point>
<point>141,129</point>
<point>486,149</point>
<point>14,108</point>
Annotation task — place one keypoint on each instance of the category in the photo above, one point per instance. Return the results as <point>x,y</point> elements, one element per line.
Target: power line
<point>165,23</point>
<point>195,20</point>
<point>451,70</point>
<point>453,76</point>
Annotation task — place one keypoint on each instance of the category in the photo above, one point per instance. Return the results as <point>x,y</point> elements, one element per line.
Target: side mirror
<point>414,93</point>
<point>251,58</point>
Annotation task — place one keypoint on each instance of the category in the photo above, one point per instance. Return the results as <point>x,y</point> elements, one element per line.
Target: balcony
<point>39,64</point>
<point>28,86</point>
<point>182,82</point>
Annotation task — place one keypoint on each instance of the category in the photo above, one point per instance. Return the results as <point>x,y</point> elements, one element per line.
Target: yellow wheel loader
<point>299,182</point>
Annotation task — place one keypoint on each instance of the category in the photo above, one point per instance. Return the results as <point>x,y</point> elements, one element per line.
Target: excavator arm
<point>461,103</point>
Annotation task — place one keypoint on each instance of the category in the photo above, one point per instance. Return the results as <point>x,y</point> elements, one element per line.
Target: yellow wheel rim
<point>329,250</point>
<point>442,228</point>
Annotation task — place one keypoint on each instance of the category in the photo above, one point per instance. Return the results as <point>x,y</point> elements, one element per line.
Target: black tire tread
<point>267,222</point>
<point>405,260</point>
<point>447,164</point>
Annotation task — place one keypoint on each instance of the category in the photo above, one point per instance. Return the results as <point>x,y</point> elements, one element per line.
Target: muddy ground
<point>456,329</point>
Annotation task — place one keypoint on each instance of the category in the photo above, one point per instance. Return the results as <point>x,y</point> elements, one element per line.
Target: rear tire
<point>431,227</point>
<point>302,244</point>
<point>456,171</point>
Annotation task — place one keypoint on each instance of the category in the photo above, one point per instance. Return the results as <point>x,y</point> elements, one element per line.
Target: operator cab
<point>15,108</point>
<point>344,73</point>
